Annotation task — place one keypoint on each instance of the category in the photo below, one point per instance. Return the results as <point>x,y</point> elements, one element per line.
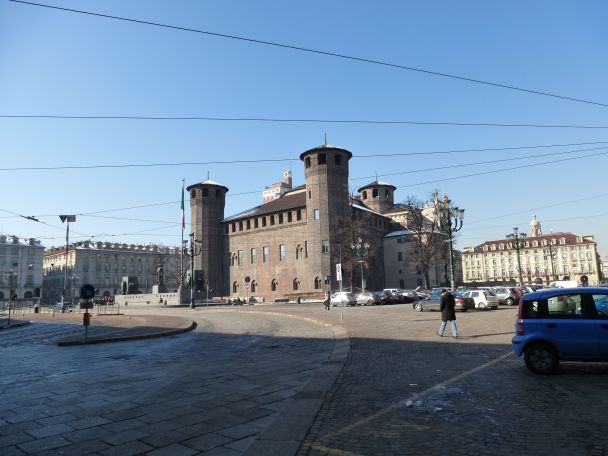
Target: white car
<point>482,299</point>
<point>343,298</point>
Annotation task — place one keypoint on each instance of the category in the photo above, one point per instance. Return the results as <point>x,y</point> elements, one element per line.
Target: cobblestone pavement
<point>210,391</point>
<point>405,390</point>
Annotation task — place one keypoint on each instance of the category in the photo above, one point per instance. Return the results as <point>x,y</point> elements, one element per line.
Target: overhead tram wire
<point>278,160</point>
<point>481,173</point>
<point>321,52</point>
<point>295,120</point>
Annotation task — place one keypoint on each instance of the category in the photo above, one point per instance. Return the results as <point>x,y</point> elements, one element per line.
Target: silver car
<point>368,298</point>
<point>343,298</point>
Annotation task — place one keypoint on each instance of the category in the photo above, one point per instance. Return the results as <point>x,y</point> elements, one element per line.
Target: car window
<point>564,306</point>
<point>601,304</point>
<point>533,309</point>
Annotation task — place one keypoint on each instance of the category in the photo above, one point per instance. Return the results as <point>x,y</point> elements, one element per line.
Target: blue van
<point>562,324</point>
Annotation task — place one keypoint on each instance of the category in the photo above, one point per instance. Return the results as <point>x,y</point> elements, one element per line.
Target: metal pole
<point>452,279</point>
<point>362,281</point>
<point>521,280</point>
<point>10,297</point>
<point>192,305</point>
<point>65,274</point>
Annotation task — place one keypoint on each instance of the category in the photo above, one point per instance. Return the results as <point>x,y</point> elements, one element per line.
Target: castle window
<point>263,221</point>
<point>253,254</point>
<point>299,214</point>
<point>299,252</point>
<point>325,246</point>
<point>296,284</point>
<point>240,257</point>
<point>338,159</point>
<point>272,219</point>
<point>193,193</point>
<point>255,223</point>
<point>264,254</point>
<point>205,192</point>
<point>241,225</point>
<point>289,217</point>
<point>274,286</point>
<point>233,227</point>
<point>248,224</point>
<point>305,249</point>
<point>399,256</point>
<point>364,194</point>
<point>387,193</point>
<point>254,286</point>
<point>309,194</point>
<point>374,193</point>
<point>280,218</point>
<point>315,214</point>
<point>322,159</point>
<point>282,252</point>
<point>317,283</point>
<point>307,162</point>
<point>235,287</point>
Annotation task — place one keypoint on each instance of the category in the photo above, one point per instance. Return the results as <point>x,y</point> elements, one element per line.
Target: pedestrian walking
<point>447,304</point>
<point>326,300</point>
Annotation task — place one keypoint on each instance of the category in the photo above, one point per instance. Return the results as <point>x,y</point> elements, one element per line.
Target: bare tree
<point>426,240</point>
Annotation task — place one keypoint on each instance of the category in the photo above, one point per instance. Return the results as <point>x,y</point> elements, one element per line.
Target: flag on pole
<point>183,213</point>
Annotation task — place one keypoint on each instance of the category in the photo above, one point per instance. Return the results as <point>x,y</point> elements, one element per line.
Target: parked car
<point>482,299</point>
<point>368,298</point>
<point>389,297</point>
<point>343,298</point>
<point>432,302</point>
<point>507,295</point>
<point>562,324</point>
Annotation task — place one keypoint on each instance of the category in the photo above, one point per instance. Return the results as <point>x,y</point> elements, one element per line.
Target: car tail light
<point>459,301</point>
<point>519,326</point>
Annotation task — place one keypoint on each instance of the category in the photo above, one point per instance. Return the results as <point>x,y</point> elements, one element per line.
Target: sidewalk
<point>111,328</point>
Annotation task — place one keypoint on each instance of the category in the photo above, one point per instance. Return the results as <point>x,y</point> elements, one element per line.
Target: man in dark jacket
<point>446,305</point>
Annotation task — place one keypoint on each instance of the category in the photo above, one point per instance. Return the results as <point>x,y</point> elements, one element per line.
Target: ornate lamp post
<point>552,255</point>
<point>516,235</point>
<point>360,249</point>
<point>196,247</point>
<point>449,219</point>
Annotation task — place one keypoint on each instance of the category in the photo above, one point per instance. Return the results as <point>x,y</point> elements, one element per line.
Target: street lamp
<point>516,235</point>
<point>11,276</point>
<point>450,220</point>
<point>74,278</point>
<point>361,249</point>
<point>552,255</point>
<point>196,247</point>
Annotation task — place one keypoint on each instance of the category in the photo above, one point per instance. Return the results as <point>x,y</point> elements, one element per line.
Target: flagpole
<point>181,246</point>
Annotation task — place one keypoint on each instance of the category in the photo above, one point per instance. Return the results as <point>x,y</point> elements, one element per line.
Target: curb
<point>105,340</point>
<point>285,435</point>
<point>15,325</point>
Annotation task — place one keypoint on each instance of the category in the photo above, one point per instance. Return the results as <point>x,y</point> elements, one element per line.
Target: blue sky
<point>61,63</point>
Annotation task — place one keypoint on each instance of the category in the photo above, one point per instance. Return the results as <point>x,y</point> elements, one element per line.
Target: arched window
<point>307,162</point>
<point>299,252</point>
<point>364,195</point>
<point>296,284</point>
<point>254,286</point>
<point>235,287</point>
<point>317,283</point>
<point>274,286</point>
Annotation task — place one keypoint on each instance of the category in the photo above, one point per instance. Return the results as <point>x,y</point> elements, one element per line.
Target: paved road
<point>402,391</point>
<point>210,391</point>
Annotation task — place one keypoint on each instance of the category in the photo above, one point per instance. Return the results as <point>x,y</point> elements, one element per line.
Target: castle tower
<point>378,196</point>
<point>327,206</point>
<point>207,201</point>
<point>535,229</point>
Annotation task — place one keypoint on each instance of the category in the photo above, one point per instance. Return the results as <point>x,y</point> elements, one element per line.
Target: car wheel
<point>541,358</point>
<point>369,302</point>
<point>418,307</point>
<point>482,306</point>
<point>510,301</point>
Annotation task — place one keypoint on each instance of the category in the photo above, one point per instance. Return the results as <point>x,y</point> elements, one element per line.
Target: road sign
<point>247,279</point>
<point>327,279</point>
<point>247,286</point>
<point>87,291</point>
<point>339,271</point>
<point>67,218</point>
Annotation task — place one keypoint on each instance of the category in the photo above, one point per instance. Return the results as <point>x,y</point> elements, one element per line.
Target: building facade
<point>105,265</point>
<point>541,258</point>
<point>277,189</point>
<point>289,247</point>
<point>20,268</point>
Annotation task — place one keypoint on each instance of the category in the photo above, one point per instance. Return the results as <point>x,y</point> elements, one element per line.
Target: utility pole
<point>68,219</point>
